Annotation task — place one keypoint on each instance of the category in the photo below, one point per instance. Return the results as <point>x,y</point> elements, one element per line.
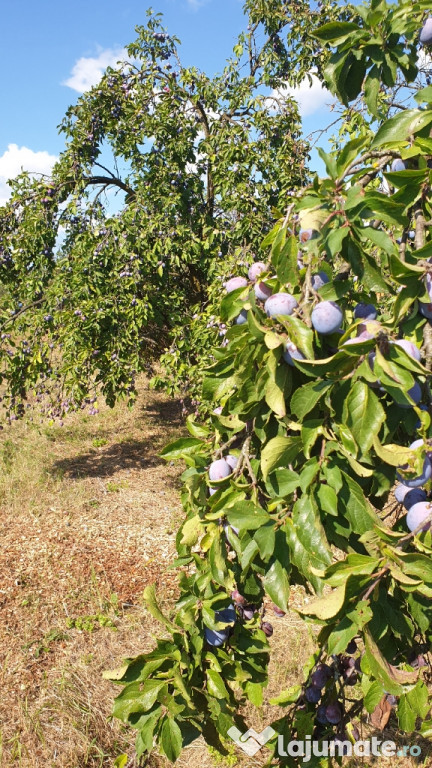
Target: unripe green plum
<point>326,317</point>
<point>417,514</point>
<point>280,304</point>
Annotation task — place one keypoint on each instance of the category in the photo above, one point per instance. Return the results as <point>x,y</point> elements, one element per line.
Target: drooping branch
<point>109,181</point>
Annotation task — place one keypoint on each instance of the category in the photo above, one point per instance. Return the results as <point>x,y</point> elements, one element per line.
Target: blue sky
<point>52,50</point>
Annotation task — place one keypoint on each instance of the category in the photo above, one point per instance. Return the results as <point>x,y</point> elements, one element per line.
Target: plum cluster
<point>324,689</point>
<point>239,610</point>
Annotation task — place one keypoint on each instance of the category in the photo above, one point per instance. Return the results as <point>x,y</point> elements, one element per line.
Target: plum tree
<point>319,443</point>
<point>103,290</point>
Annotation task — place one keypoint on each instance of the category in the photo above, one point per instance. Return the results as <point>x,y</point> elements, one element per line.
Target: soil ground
<point>88,514</point>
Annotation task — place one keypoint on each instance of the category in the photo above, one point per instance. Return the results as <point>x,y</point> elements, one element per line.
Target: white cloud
<point>17,159</point>
<point>195,5</point>
<point>310,97</point>
<point>88,70</point>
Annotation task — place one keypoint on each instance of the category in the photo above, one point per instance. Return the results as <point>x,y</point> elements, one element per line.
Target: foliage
<point>318,440</point>
<point>166,176</point>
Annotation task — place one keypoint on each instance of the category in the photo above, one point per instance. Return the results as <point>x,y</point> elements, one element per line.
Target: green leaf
<point>335,30</point>
<point>246,516</point>
<point>401,126</point>
<point>364,414</point>
<point>185,446</point>
<point>327,607</point>
<point>371,87</point>
<point>137,698</point>
<point>215,685</point>
<point>391,678</point>
<point>152,606</point>
<point>276,584</point>
<point>171,739</point>
<point>373,696</point>
<point>279,452</point>
<point>306,397</point>
<point>307,540</point>
<point>355,507</point>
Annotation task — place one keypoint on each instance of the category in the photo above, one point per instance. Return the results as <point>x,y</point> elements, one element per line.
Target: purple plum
<point>320,676</point>
<point>425,310</point>
<point>319,280</point>
<point>414,496</point>
<point>235,282</point>
<point>365,312</point>
<point>256,269</point>
<point>241,319</point>
<point>320,716</point>
<point>417,514</point>
<point>426,32</point>
<point>326,317</point>
<point>278,611</point>
<point>280,304</point>
<point>238,598</point>
<point>400,492</point>
<point>313,694</point>
<point>306,234</point>
<point>291,353</point>
<point>219,469</point>
<point>232,460</point>
<point>227,615</point>
<point>262,291</point>
<point>416,482</point>
<point>398,165</point>
<point>267,628</point>
<point>333,713</point>
<point>216,637</point>
<point>411,349</point>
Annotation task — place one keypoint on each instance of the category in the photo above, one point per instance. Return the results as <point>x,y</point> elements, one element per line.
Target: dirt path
<point>87,518</point>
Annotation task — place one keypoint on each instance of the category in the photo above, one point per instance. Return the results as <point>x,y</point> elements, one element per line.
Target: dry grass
<point>88,519</point>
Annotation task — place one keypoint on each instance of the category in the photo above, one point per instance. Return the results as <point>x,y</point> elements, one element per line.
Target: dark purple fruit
<point>320,716</point>
<point>278,611</point>
<point>313,694</point>
<point>267,628</point>
<point>321,675</point>
<point>238,598</point>
<point>351,647</point>
<point>333,713</point>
